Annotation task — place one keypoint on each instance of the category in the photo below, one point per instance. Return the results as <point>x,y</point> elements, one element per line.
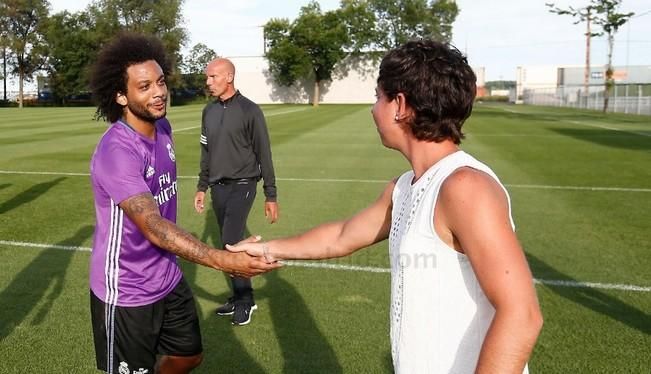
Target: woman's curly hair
<point>109,72</point>
<point>438,85</point>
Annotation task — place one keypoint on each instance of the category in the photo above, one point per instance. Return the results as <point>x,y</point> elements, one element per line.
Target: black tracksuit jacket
<point>235,144</point>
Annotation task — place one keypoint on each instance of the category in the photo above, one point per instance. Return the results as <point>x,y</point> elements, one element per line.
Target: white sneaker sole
<point>226,313</point>
<point>254,307</point>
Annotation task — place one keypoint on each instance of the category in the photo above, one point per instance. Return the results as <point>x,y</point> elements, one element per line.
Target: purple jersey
<point>126,269</point>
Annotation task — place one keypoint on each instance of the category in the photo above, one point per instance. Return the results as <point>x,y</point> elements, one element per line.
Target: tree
<point>360,22</point>
<point>72,46</point>
<point>603,13</point>
<point>23,20</point>
<point>193,67</point>
<point>198,58</point>
<point>315,42</point>
<point>162,18</point>
<point>610,21</point>
<point>586,15</point>
<point>74,39</point>
<point>4,72</point>
<point>310,46</point>
<point>398,21</point>
<point>4,41</point>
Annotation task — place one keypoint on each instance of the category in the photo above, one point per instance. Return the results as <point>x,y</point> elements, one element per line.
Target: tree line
<point>65,44</point>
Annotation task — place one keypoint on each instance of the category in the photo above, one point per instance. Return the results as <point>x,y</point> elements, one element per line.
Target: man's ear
<point>230,77</point>
<point>121,99</point>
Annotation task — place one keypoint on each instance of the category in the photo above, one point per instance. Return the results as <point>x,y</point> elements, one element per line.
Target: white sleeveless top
<point>439,313</point>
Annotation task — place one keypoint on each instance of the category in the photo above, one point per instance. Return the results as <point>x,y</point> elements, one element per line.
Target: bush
<point>493,99</point>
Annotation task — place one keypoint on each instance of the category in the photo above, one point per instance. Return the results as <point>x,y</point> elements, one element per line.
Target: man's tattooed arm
<point>143,211</point>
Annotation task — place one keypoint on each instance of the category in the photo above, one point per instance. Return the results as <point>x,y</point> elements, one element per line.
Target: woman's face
<point>384,113</point>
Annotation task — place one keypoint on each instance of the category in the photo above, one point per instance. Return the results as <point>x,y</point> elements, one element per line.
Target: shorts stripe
<point>112,270</point>
<point>110,336</point>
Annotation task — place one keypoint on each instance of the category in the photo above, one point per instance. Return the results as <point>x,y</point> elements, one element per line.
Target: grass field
<point>581,190</point>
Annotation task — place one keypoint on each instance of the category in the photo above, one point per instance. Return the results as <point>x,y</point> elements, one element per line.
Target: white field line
<point>185,128</point>
<point>578,188</point>
<point>368,269</point>
<point>507,110</point>
<point>266,115</point>
<point>595,125</point>
<point>68,174</point>
<point>604,286</point>
<point>333,180</point>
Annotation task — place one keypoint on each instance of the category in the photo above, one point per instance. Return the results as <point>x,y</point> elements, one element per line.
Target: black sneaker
<point>243,312</point>
<point>226,309</point>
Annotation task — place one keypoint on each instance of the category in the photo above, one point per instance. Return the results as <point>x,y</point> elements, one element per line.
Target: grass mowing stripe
<point>368,269</point>
<point>332,180</point>
<point>54,146</point>
<point>266,115</point>
<point>581,123</point>
<point>609,128</point>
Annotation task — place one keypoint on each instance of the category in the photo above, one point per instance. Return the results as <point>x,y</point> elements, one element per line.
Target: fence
<point>630,98</point>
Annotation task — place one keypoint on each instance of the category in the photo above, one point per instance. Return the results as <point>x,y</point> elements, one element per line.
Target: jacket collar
<point>228,101</point>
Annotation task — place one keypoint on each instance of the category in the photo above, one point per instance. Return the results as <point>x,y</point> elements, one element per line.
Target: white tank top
<point>439,313</point>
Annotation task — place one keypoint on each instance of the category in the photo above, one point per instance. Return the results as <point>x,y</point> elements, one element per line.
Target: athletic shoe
<point>226,309</point>
<point>243,312</point>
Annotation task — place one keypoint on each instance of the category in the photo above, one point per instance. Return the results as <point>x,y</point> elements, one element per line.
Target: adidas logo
<point>150,172</point>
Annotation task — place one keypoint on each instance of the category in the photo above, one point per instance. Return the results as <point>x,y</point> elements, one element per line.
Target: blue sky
<point>498,34</point>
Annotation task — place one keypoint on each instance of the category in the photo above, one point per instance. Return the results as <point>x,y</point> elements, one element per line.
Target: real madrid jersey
<point>126,269</point>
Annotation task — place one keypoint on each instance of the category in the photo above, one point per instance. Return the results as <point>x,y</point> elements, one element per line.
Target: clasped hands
<point>251,257</point>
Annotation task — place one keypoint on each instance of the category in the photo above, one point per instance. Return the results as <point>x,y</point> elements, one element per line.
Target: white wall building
<point>353,82</point>
<point>573,76</point>
<point>534,77</point>
<point>565,86</point>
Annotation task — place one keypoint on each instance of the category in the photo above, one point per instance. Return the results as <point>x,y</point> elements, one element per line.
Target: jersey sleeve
<point>120,172</point>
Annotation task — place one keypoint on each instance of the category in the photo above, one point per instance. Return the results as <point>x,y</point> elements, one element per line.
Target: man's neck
<point>145,128</point>
<point>228,94</point>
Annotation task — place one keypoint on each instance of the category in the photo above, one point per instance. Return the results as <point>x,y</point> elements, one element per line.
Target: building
<point>566,86</point>
<point>353,82</point>
<point>572,77</point>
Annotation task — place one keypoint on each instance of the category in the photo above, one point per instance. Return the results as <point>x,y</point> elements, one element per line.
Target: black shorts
<point>132,337</point>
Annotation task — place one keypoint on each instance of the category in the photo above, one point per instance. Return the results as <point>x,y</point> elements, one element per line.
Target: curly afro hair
<point>109,73</point>
<point>438,85</point>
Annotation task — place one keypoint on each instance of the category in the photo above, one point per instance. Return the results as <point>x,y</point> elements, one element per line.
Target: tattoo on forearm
<point>143,211</point>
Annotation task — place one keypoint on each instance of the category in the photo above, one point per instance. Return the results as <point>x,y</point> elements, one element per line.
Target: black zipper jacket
<point>235,144</point>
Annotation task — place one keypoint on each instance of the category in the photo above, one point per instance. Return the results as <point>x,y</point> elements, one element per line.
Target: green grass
<point>327,321</point>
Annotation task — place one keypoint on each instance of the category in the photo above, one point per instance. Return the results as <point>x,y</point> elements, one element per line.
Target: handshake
<point>253,247</point>
<point>249,258</point>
